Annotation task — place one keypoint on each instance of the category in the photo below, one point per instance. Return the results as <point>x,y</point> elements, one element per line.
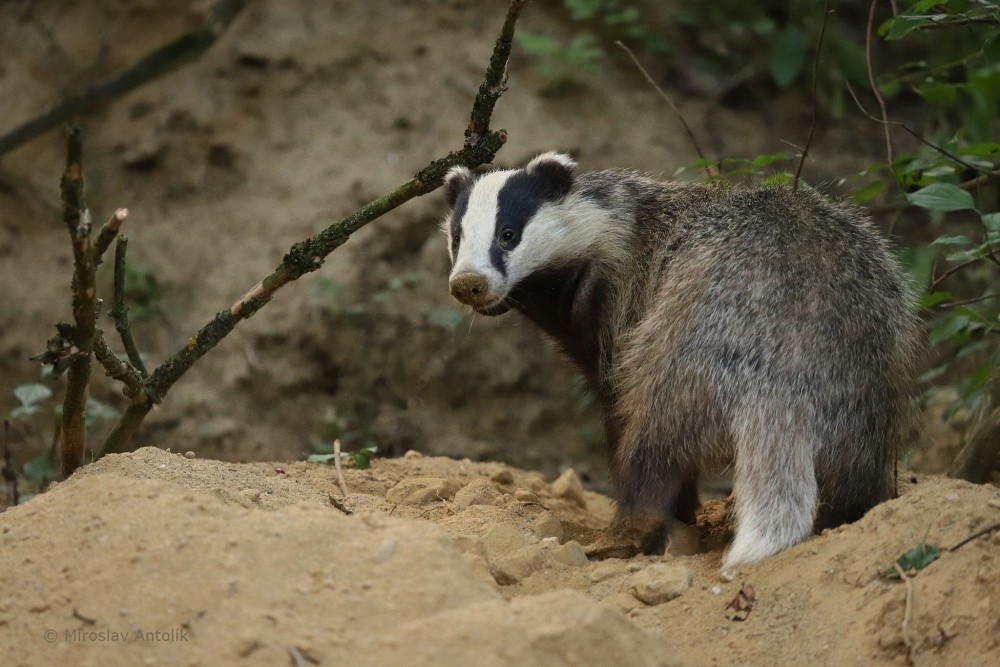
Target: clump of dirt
<point>156,558</point>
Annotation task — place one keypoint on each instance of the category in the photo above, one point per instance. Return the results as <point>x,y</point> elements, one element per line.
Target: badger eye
<point>506,236</point>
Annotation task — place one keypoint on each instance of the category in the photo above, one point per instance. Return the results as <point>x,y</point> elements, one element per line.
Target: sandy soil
<point>433,561</point>
<point>301,112</point>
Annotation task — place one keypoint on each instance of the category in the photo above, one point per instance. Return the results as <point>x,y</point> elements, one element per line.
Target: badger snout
<point>472,289</point>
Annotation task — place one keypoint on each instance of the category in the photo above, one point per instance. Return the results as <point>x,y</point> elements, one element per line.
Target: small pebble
<point>660,583</point>
<point>568,486</point>
<point>716,590</point>
<point>189,454</point>
<point>525,496</point>
<point>503,477</point>
<point>995,502</point>
<point>412,454</point>
<point>951,497</point>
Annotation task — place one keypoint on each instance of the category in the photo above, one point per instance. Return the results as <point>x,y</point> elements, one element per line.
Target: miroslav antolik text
<point>137,635</point>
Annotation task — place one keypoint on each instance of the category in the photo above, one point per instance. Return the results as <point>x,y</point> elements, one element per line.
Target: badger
<point>763,327</point>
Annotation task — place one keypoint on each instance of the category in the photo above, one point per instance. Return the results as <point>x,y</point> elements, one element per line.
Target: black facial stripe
<point>517,202</point>
<point>458,212</point>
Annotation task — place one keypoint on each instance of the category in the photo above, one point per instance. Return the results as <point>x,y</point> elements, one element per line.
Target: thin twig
<point>979,181</point>
<point>966,302</point>
<point>673,107</point>
<point>911,132</point>
<point>874,86</point>
<point>9,472</point>
<point>119,309</point>
<point>308,255</point>
<point>84,287</point>
<point>815,100</point>
<point>958,267</point>
<point>906,612</point>
<point>978,533</point>
<point>158,62</point>
<point>107,234</point>
<point>340,469</point>
<point>968,20</point>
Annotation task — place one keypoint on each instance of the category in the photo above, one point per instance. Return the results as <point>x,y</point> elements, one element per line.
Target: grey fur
<point>760,325</point>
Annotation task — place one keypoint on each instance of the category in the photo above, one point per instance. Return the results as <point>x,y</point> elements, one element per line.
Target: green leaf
<point>948,329</point>
<point>991,221</point>
<point>944,197</point>
<point>39,469</point>
<point>934,298</point>
<point>868,192</point>
<point>777,179</point>
<point>901,25</point>
<point>788,55</point>
<point>924,5</point>
<point>981,149</point>
<point>916,558</point>
<point>952,239</point>
<point>31,394</point>
<point>363,457</point>
<point>536,44</point>
<point>320,458</point>
<point>765,160</point>
<point>937,92</point>
<point>98,410</point>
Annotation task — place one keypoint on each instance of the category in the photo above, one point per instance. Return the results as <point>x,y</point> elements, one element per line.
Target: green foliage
<point>914,559</point>
<point>724,37</point>
<point>597,25</point>
<point>34,400</point>
<point>957,76</point>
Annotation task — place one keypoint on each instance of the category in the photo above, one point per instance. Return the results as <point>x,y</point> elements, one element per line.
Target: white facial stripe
<point>478,229</point>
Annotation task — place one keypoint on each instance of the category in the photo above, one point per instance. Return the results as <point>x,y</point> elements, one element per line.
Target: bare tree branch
<point>480,147</point>
<point>84,287</point>
<point>815,102</point>
<point>874,86</point>
<point>108,233</point>
<point>119,370</point>
<point>119,309</point>
<point>158,62</point>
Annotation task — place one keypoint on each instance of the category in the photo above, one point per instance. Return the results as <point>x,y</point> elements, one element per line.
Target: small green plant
<point>34,400</point>
<point>914,559</point>
<point>361,458</point>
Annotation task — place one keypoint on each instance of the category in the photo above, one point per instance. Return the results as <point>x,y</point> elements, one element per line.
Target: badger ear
<point>555,172</point>
<point>458,179</point>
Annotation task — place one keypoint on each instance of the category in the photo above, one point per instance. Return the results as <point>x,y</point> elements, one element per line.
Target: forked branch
<point>480,146</point>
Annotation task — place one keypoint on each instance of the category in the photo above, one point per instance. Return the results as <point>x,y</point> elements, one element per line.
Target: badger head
<point>504,226</point>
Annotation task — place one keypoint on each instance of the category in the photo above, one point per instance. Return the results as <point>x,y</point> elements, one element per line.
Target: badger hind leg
<point>775,485</point>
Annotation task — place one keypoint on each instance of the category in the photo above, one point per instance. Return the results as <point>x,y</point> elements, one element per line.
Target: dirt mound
<point>435,561</point>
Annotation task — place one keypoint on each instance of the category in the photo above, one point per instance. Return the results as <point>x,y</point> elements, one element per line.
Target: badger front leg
<point>654,489</point>
<point>658,438</point>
